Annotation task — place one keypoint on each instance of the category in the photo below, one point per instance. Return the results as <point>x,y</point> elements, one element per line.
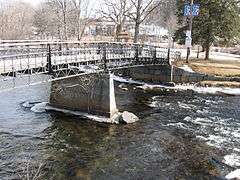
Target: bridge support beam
<point>88,93</point>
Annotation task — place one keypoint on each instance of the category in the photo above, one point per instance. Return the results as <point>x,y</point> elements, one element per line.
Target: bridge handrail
<point>29,61</point>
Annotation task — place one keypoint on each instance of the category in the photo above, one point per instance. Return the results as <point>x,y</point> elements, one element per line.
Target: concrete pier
<point>90,93</point>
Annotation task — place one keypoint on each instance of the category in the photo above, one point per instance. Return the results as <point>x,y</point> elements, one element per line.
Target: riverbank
<point>213,67</point>
<point>220,84</point>
<point>228,72</point>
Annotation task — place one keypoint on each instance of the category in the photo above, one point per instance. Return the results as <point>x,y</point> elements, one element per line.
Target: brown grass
<point>219,68</point>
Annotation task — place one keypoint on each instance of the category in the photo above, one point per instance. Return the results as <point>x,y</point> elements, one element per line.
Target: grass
<point>218,68</point>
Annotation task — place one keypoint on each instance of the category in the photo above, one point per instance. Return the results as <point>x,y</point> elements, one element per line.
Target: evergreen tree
<point>218,20</point>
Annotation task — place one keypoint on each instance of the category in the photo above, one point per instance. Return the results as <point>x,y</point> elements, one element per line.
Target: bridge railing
<point>29,63</point>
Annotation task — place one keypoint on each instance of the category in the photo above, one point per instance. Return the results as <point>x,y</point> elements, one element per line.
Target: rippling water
<point>181,134</point>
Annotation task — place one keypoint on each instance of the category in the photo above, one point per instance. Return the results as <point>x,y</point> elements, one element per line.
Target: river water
<point>181,134</point>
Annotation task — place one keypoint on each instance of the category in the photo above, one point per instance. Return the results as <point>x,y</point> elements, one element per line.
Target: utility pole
<point>190,29</point>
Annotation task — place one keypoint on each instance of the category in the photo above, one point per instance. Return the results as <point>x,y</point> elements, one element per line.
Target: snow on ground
<point>126,80</point>
<point>187,68</point>
<point>44,106</point>
<point>217,56</point>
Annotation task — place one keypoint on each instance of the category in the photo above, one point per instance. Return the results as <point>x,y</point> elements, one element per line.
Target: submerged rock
<point>128,118</point>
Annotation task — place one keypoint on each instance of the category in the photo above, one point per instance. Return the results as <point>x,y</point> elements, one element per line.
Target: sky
<point>33,2</point>
<point>93,3</point>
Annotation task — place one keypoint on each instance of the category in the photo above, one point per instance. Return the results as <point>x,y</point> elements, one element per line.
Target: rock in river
<point>127,118</point>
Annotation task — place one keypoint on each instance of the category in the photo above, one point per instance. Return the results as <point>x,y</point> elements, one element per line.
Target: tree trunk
<point>65,27</point>
<point>203,48</point>
<point>79,21</point>
<point>78,28</point>
<point>137,21</point>
<point>136,34</point>
<point>207,52</point>
<point>118,31</point>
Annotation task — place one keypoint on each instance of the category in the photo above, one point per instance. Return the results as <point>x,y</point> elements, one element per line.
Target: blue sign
<point>195,10</point>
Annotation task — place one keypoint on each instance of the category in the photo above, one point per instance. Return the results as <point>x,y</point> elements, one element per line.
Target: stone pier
<point>89,93</point>
<point>161,74</point>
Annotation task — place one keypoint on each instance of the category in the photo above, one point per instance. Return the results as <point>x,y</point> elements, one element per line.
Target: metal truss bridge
<point>24,64</point>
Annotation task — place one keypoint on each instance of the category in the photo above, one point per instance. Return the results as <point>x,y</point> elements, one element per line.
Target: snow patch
<point>82,114</point>
<point>231,91</point>
<point>126,80</point>
<point>39,108</point>
<point>28,104</point>
<point>187,68</point>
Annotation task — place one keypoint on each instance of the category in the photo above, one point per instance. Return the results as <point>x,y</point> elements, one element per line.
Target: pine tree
<point>218,19</point>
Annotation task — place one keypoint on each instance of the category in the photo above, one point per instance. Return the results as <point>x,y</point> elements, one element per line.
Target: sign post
<point>190,29</point>
<point>190,11</point>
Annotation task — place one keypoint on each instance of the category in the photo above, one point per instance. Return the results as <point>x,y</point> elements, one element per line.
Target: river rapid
<point>181,134</point>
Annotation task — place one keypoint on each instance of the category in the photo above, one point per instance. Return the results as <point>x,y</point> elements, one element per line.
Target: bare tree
<point>139,13</point>
<point>116,11</point>
<point>81,12</point>
<point>16,20</point>
<point>64,19</point>
<point>62,10</point>
<point>164,15</point>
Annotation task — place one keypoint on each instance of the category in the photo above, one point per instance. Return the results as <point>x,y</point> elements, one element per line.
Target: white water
<point>202,90</point>
<point>234,174</point>
<point>207,124</point>
<point>232,160</point>
<point>221,135</point>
